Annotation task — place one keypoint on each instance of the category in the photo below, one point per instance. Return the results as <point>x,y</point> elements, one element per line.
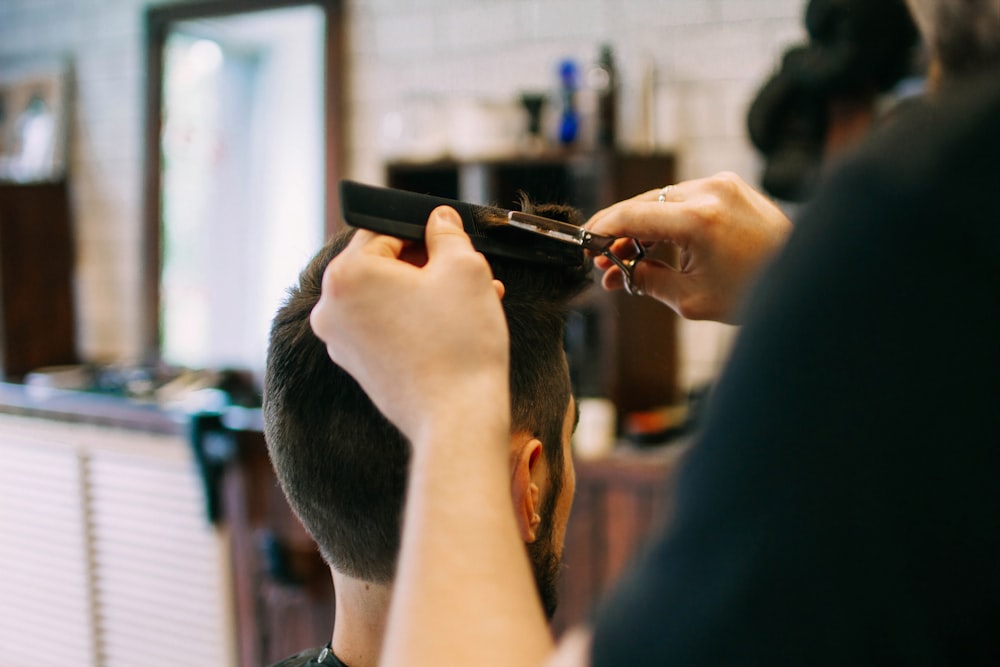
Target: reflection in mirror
<point>241,175</point>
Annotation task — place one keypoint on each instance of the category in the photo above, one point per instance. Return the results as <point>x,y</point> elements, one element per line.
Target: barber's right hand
<point>424,340</point>
<point>725,232</point>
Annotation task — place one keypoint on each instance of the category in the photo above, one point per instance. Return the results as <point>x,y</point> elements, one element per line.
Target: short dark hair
<point>343,466</point>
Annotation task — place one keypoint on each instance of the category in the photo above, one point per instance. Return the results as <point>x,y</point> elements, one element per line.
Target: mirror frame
<point>159,20</point>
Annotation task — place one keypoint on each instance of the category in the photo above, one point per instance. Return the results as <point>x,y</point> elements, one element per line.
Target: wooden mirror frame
<point>159,20</point>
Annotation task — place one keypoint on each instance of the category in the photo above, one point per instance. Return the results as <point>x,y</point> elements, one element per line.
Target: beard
<point>545,565</point>
<point>546,562</point>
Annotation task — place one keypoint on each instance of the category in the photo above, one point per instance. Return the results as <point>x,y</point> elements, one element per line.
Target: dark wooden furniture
<point>37,317</point>
<point>620,501</point>
<point>283,593</point>
<point>619,347</point>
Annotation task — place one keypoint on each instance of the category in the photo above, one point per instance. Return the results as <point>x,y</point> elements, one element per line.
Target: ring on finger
<point>663,193</point>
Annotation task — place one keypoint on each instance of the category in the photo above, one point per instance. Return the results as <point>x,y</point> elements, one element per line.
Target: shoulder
<point>952,121</point>
<point>924,188</point>
<point>934,166</point>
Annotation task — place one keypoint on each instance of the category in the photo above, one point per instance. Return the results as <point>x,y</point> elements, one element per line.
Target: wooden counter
<point>620,500</point>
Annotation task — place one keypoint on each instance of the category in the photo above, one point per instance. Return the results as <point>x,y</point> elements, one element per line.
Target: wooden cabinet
<point>282,591</point>
<point>619,346</point>
<point>620,501</point>
<point>37,318</point>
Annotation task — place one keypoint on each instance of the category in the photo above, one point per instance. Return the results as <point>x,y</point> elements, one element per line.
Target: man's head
<point>343,466</point>
<point>963,35</point>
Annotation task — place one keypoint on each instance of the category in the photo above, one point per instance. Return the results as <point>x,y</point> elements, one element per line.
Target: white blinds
<point>105,556</point>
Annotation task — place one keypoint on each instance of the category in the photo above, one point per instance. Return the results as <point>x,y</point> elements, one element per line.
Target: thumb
<point>445,233</point>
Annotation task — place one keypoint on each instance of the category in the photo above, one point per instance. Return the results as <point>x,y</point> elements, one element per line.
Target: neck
<point>359,621</point>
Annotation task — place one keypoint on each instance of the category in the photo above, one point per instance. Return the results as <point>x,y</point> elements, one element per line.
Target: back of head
<point>856,50</point>
<point>342,465</point>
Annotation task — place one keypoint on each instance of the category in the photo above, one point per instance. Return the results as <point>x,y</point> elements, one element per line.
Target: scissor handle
<point>627,266</point>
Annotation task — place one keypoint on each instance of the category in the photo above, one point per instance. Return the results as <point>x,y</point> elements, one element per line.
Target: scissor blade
<point>556,229</point>
<point>559,230</point>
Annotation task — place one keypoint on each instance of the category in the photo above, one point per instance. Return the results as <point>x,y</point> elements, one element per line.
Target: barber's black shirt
<point>315,657</point>
<point>842,505</point>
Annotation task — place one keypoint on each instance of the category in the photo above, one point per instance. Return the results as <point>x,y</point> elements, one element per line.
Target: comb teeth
<point>484,218</point>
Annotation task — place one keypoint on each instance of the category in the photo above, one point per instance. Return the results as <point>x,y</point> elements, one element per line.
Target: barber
<point>842,504</point>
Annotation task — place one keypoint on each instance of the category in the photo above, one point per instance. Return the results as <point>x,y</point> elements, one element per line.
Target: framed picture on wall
<point>34,100</point>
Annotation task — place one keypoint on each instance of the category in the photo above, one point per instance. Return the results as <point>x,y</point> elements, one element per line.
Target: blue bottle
<point>569,122</point>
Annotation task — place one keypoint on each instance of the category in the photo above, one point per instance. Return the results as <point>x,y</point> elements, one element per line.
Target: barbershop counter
<point>112,410</point>
<point>139,467</point>
<point>106,510</point>
<point>88,408</point>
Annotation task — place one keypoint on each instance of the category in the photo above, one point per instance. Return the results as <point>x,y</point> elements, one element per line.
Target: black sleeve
<point>303,659</point>
<point>842,505</point>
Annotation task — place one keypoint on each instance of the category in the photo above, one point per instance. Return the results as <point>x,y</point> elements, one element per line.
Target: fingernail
<point>447,215</point>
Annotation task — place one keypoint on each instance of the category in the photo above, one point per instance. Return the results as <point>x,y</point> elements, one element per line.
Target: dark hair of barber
<point>856,50</point>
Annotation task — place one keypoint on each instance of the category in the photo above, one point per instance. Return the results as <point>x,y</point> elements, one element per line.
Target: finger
<point>622,248</point>
<point>655,279</point>
<point>499,288</point>
<point>649,195</point>
<point>321,319</point>
<point>369,243</point>
<point>674,193</point>
<point>445,233</point>
<point>648,221</point>
<point>613,279</point>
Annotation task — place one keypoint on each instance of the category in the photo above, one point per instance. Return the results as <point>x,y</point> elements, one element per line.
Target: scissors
<point>404,215</point>
<point>595,243</point>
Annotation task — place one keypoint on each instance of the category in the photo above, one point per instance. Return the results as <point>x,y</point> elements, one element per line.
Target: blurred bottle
<point>602,78</point>
<point>569,120</point>
<point>534,106</point>
<point>595,433</point>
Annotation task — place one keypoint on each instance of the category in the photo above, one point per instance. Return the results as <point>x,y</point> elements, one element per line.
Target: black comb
<point>404,215</point>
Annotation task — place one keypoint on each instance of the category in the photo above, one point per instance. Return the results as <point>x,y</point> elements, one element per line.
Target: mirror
<point>240,160</point>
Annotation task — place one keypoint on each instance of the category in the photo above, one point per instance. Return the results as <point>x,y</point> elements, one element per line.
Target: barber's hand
<point>422,340</point>
<point>725,231</point>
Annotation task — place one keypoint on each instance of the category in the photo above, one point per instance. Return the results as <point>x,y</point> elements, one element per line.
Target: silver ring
<point>663,193</point>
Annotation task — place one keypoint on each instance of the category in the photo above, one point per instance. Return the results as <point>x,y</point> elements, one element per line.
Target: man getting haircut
<point>343,466</point>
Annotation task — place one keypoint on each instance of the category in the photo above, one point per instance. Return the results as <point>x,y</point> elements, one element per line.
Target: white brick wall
<point>710,55</point>
<point>103,40</point>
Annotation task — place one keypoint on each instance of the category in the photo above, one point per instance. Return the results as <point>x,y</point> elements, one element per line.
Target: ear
<point>527,465</point>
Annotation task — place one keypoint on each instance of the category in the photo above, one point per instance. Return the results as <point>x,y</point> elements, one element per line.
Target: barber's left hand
<point>423,341</point>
